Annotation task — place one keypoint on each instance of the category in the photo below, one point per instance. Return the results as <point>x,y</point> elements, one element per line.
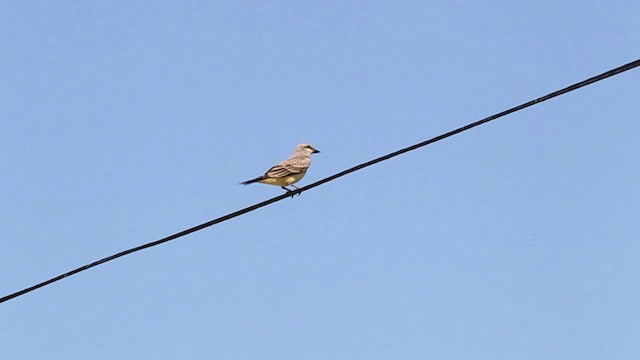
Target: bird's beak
<point>315,151</point>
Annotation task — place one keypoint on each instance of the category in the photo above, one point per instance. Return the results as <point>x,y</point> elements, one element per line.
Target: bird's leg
<point>287,190</point>
<point>297,188</point>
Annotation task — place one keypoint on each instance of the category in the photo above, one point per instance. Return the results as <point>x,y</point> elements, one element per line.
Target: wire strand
<point>232,215</point>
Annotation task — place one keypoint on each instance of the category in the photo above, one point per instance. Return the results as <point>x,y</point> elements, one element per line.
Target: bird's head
<point>306,148</point>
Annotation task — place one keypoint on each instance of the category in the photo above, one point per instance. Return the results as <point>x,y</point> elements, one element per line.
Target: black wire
<point>589,81</point>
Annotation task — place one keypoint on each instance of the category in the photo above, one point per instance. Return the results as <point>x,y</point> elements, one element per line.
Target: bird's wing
<point>289,167</point>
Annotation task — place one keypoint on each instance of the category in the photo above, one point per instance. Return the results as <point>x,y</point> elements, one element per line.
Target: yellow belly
<point>284,181</point>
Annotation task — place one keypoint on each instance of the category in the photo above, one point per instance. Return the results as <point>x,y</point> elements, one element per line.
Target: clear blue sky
<point>123,122</point>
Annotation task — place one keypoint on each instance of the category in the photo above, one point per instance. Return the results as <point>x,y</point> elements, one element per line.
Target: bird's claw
<point>291,191</point>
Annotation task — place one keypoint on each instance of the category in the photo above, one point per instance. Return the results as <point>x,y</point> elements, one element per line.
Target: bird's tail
<point>252,180</point>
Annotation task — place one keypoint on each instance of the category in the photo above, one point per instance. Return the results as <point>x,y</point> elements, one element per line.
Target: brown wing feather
<point>288,167</point>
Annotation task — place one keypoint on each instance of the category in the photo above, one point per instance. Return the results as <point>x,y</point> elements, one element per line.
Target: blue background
<point>126,121</point>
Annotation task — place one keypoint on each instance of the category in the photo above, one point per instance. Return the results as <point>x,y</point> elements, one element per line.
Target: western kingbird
<point>289,171</point>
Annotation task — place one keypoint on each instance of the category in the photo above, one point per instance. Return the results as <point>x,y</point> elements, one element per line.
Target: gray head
<point>306,149</point>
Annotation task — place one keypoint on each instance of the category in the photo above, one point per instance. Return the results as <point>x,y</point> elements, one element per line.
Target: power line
<point>207,224</point>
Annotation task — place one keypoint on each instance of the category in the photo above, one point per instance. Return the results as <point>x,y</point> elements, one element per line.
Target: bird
<point>289,171</point>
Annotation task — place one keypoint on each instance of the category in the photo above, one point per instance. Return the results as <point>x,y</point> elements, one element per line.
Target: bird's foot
<point>297,189</point>
<point>288,191</point>
<point>291,191</point>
